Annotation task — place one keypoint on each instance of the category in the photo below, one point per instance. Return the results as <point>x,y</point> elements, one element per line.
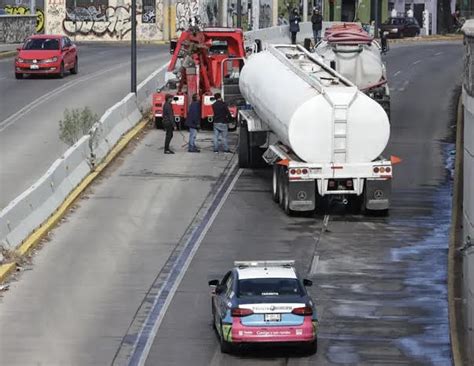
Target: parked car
<point>46,54</point>
<point>399,27</point>
<point>262,302</point>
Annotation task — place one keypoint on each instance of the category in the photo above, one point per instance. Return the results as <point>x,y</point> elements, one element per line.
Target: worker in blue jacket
<point>192,122</point>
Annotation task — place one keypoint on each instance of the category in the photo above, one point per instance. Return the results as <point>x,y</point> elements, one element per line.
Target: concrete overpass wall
<point>468,204</point>
<point>15,28</point>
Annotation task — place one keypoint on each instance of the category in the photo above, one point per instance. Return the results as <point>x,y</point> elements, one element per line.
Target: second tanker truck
<point>323,137</point>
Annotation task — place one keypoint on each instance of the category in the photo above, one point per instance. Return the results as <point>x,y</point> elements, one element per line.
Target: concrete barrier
<point>34,206</point>
<point>468,191</point>
<point>15,28</point>
<point>29,210</point>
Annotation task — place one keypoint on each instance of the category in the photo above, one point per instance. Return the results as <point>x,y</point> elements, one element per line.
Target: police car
<point>263,302</point>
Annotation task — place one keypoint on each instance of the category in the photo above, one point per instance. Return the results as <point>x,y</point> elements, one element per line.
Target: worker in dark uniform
<point>192,122</point>
<point>295,20</point>
<point>169,123</point>
<point>222,118</point>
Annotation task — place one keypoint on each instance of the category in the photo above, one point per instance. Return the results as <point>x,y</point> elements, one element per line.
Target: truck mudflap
<point>377,194</point>
<point>302,196</point>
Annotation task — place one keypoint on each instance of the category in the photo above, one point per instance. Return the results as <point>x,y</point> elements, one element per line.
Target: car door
<point>66,52</point>
<point>222,297</point>
<point>73,49</point>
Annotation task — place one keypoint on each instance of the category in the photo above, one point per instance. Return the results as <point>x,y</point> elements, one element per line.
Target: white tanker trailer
<point>321,134</point>
<point>352,52</point>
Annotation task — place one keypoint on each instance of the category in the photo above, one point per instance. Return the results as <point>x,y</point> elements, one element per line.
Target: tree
<point>75,124</point>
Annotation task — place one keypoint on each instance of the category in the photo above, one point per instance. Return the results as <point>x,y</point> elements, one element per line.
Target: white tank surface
<point>313,110</point>
<point>361,64</point>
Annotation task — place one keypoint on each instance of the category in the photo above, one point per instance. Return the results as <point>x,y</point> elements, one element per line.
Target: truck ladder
<point>339,151</point>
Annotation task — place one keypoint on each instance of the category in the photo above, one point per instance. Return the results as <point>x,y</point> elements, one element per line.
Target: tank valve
<point>345,201</point>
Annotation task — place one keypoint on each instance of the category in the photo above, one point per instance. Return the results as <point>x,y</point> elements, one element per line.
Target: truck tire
<point>275,182</point>
<point>243,147</point>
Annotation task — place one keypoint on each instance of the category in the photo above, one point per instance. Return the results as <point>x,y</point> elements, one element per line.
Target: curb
<point>453,240</point>
<point>34,238</point>
<point>7,54</point>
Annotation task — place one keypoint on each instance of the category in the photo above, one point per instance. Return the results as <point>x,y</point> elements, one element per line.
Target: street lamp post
<point>239,13</point>
<point>133,78</point>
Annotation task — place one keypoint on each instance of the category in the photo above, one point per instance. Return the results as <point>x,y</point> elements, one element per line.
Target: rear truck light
<point>388,169</point>
<point>304,171</point>
<point>307,310</point>
<point>293,171</point>
<point>376,169</point>
<point>349,183</point>
<point>239,312</point>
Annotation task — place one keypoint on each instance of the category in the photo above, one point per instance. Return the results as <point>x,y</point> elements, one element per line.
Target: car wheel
<point>61,71</point>
<point>226,347</point>
<point>18,75</point>
<point>312,347</point>
<point>75,69</point>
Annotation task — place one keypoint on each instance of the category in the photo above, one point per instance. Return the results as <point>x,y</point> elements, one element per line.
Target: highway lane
<point>30,109</point>
<point>380,283</point>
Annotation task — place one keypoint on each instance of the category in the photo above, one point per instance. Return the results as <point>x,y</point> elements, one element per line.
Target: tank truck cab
<point>205,61</point>
<point>308,175</point>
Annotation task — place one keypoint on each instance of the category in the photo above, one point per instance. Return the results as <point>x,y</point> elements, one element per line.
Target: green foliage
<point>75,124</point>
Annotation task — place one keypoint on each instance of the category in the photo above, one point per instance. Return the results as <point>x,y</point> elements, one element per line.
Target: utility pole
<point>33,7</point>
<point>377,20</point>
<point>239,13</point>
<point>133,70</point>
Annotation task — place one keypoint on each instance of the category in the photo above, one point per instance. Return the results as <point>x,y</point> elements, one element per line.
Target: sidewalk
<point>76,301</point>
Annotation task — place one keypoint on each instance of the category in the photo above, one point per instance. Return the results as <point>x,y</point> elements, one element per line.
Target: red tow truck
<point>204,61</point>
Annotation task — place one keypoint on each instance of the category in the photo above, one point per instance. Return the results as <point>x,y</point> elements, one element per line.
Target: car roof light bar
<point>265,263</point>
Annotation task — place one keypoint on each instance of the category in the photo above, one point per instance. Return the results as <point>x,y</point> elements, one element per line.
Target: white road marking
<point>416,62</point>
<point>170,296</point>
<point>314,265</point>
<point>370,225</point>
<point>397,73</point>
<point>45,97</point>
<point>438,53</point>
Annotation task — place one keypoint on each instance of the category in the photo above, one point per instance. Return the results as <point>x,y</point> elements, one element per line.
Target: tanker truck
<point>352,52</point>
<point>323,137</point>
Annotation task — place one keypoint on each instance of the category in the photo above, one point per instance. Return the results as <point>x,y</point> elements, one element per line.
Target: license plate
<point>34,67</point>
<point>272,317</point>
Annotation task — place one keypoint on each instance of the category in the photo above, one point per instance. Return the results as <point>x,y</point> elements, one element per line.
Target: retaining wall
<point>15,28</point>
<point>468,191</point>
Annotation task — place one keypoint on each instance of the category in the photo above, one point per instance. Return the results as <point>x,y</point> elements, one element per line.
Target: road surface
<point>379,283</point>
<point>30,109</point>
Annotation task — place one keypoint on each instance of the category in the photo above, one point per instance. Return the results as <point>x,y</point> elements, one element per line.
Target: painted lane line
<point>314,265</point>
<point>45,97</point>
<point>397,73</point>
<point>438,53</point>
<point>162,300</point>
<point>416,62</point>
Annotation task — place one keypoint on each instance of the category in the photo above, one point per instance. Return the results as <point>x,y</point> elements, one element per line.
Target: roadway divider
<point>33,208</point>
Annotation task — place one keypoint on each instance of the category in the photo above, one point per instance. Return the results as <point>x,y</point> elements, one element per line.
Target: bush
<point>76,123</point>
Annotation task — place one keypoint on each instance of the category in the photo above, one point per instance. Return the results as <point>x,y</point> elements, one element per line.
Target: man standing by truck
<point>168,122</point>
<point>222,117</point>
<point>317,22</point>
<point>192,122</point>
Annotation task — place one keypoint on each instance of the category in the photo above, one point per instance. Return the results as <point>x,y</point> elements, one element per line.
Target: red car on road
<point>46,54</point>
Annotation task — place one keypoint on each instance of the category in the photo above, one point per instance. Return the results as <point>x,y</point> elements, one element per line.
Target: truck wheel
<point>281,188</point>
<point>275,182</point>
<point>243,147</point>
<point>159,123</point>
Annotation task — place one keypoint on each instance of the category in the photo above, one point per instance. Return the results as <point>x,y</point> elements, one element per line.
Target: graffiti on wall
<point>24,10</point>
<point>265,14</point>
<point>205,10</point>
<point>114,21</point>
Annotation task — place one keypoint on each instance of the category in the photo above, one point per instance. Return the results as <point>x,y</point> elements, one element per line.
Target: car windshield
<point>42,44</point>
<point>269,287</point>
<point>394,21</point>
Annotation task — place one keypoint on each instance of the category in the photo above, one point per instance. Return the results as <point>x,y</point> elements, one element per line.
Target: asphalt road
<point>97,290</point>
<point>30,109</point>
<point>380,283</point>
